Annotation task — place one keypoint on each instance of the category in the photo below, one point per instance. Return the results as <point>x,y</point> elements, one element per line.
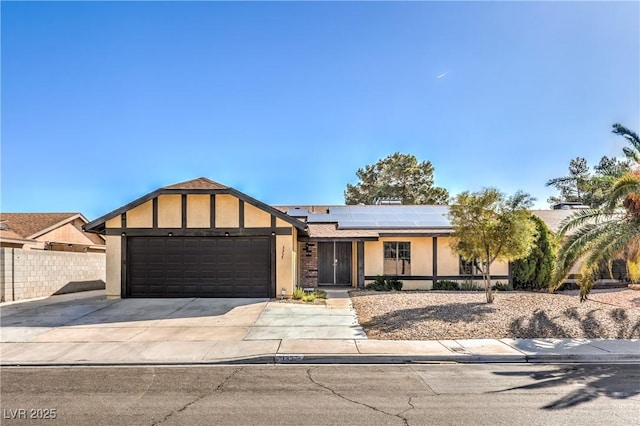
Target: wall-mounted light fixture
<point>273,233</point>
<point>226,234</point>
<point>124,234</point>
<point>171,234</point>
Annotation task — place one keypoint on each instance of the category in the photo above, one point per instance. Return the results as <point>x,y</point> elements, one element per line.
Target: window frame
<point>468,267</point>
<point>401,253</point>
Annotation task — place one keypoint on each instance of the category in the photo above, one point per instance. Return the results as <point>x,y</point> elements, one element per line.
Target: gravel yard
<point>465,315</point>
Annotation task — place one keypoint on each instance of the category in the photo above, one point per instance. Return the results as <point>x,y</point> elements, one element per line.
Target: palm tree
<point>597,236</point>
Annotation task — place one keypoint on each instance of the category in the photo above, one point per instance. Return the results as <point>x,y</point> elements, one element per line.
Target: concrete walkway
<point>86,329</point>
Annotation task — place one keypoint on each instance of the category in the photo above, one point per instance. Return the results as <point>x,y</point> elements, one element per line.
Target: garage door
<point>198,267</point>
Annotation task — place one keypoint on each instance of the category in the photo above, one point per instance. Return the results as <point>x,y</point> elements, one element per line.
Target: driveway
<point>92,319</point>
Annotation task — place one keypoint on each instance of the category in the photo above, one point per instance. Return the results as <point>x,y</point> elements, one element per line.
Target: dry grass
<point>465,315</point>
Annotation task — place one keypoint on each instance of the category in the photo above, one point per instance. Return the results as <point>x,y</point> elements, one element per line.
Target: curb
<point>575,358</point>
<point>295,359</point>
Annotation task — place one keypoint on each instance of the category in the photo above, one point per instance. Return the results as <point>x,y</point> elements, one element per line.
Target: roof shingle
<point>27,224</point>
<point>199,183</point>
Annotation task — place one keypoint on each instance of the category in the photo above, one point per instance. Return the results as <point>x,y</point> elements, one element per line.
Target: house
<point>351,245</point>
<point>203,239</point>
<point>48,231</point>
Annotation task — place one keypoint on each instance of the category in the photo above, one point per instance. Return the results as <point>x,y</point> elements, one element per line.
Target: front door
<point>334,263</point>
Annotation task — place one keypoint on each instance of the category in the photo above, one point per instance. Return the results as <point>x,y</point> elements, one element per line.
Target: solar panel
<point>389,217</point>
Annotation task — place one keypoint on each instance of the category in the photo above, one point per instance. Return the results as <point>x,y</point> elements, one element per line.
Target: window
<point>397,258</point>
<point>470,267</point>
<point>617,270</point>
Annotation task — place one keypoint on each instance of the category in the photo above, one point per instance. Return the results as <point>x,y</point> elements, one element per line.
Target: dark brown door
<point>198,267</point>
<point>334,263</point>
<point>325,263</point>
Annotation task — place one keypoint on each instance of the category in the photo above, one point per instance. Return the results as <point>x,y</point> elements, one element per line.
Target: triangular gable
<point>32,225</point>
<point>196,186</point>
<point>58,225</point>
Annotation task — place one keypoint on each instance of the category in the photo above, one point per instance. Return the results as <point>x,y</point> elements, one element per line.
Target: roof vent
<point>387,201</point>
<point>3,225</point>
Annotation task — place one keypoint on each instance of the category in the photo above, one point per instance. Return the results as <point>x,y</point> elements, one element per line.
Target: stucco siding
<point>198,211</point>
<point>499,268</point>
<point>115,222</point>
<point>256,218</point>
<point>141,216</point>
<point>285,264</point>
<point>170,211</point>
<point>281,223</point>
<point>373,258</point>
<point>114,266</point>
<point>66,233</point>
<point>227,211</point>
<point>448,261</point>
<point>416,284</point>
<point>421,255</point>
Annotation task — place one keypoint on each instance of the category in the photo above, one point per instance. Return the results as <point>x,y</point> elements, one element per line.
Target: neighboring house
<point>48,231</point>
<point>203,239</point>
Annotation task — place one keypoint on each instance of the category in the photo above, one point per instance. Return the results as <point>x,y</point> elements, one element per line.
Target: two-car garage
<point>199,239</point>
<point>198,267</point>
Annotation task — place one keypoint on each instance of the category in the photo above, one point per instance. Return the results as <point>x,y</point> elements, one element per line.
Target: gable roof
<point>199,185</point>
<point>554,218</point>
<point>32,225</point>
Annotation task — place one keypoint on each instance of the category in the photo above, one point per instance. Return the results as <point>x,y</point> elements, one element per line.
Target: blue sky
<point>104,102</point>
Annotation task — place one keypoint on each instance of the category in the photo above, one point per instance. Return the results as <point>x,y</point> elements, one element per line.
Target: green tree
<point>574,186</point>
<point>607,172</point>
<point>598,236</point>
<point>396,176</point>
<point>534,271</point>
<point>489,226</point>
<point>581,186</point>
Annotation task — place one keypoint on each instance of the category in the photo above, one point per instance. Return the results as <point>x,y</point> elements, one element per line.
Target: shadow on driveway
<point>99,311</point>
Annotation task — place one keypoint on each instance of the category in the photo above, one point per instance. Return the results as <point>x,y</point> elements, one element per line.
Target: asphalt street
<point>416,394</point>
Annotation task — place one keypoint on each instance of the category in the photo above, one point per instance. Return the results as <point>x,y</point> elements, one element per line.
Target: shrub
<point>534,271</point>
<point>384,284</point>
<point>298,293</point>
<point>321,294</point>
<point>468,285</point>
<point>446,285</point>
<point>501,287</point>
<point>309,297</point>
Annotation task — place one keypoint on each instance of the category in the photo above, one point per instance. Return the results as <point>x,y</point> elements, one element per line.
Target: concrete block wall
<point>26,274</point>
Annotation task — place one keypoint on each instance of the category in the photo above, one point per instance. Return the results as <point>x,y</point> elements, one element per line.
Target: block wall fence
<point>27,274</point>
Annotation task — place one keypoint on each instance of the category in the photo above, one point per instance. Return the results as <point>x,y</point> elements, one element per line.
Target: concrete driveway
<point>91,318</point>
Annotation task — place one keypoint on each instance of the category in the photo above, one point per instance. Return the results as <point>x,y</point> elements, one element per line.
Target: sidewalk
<point>93,331</point>
<point>326,351</point>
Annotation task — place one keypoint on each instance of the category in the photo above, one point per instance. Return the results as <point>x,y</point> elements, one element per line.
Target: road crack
<point>199,397</point>
<point>353,401</point>
<point>423,380</point>
<point>411,407</point>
